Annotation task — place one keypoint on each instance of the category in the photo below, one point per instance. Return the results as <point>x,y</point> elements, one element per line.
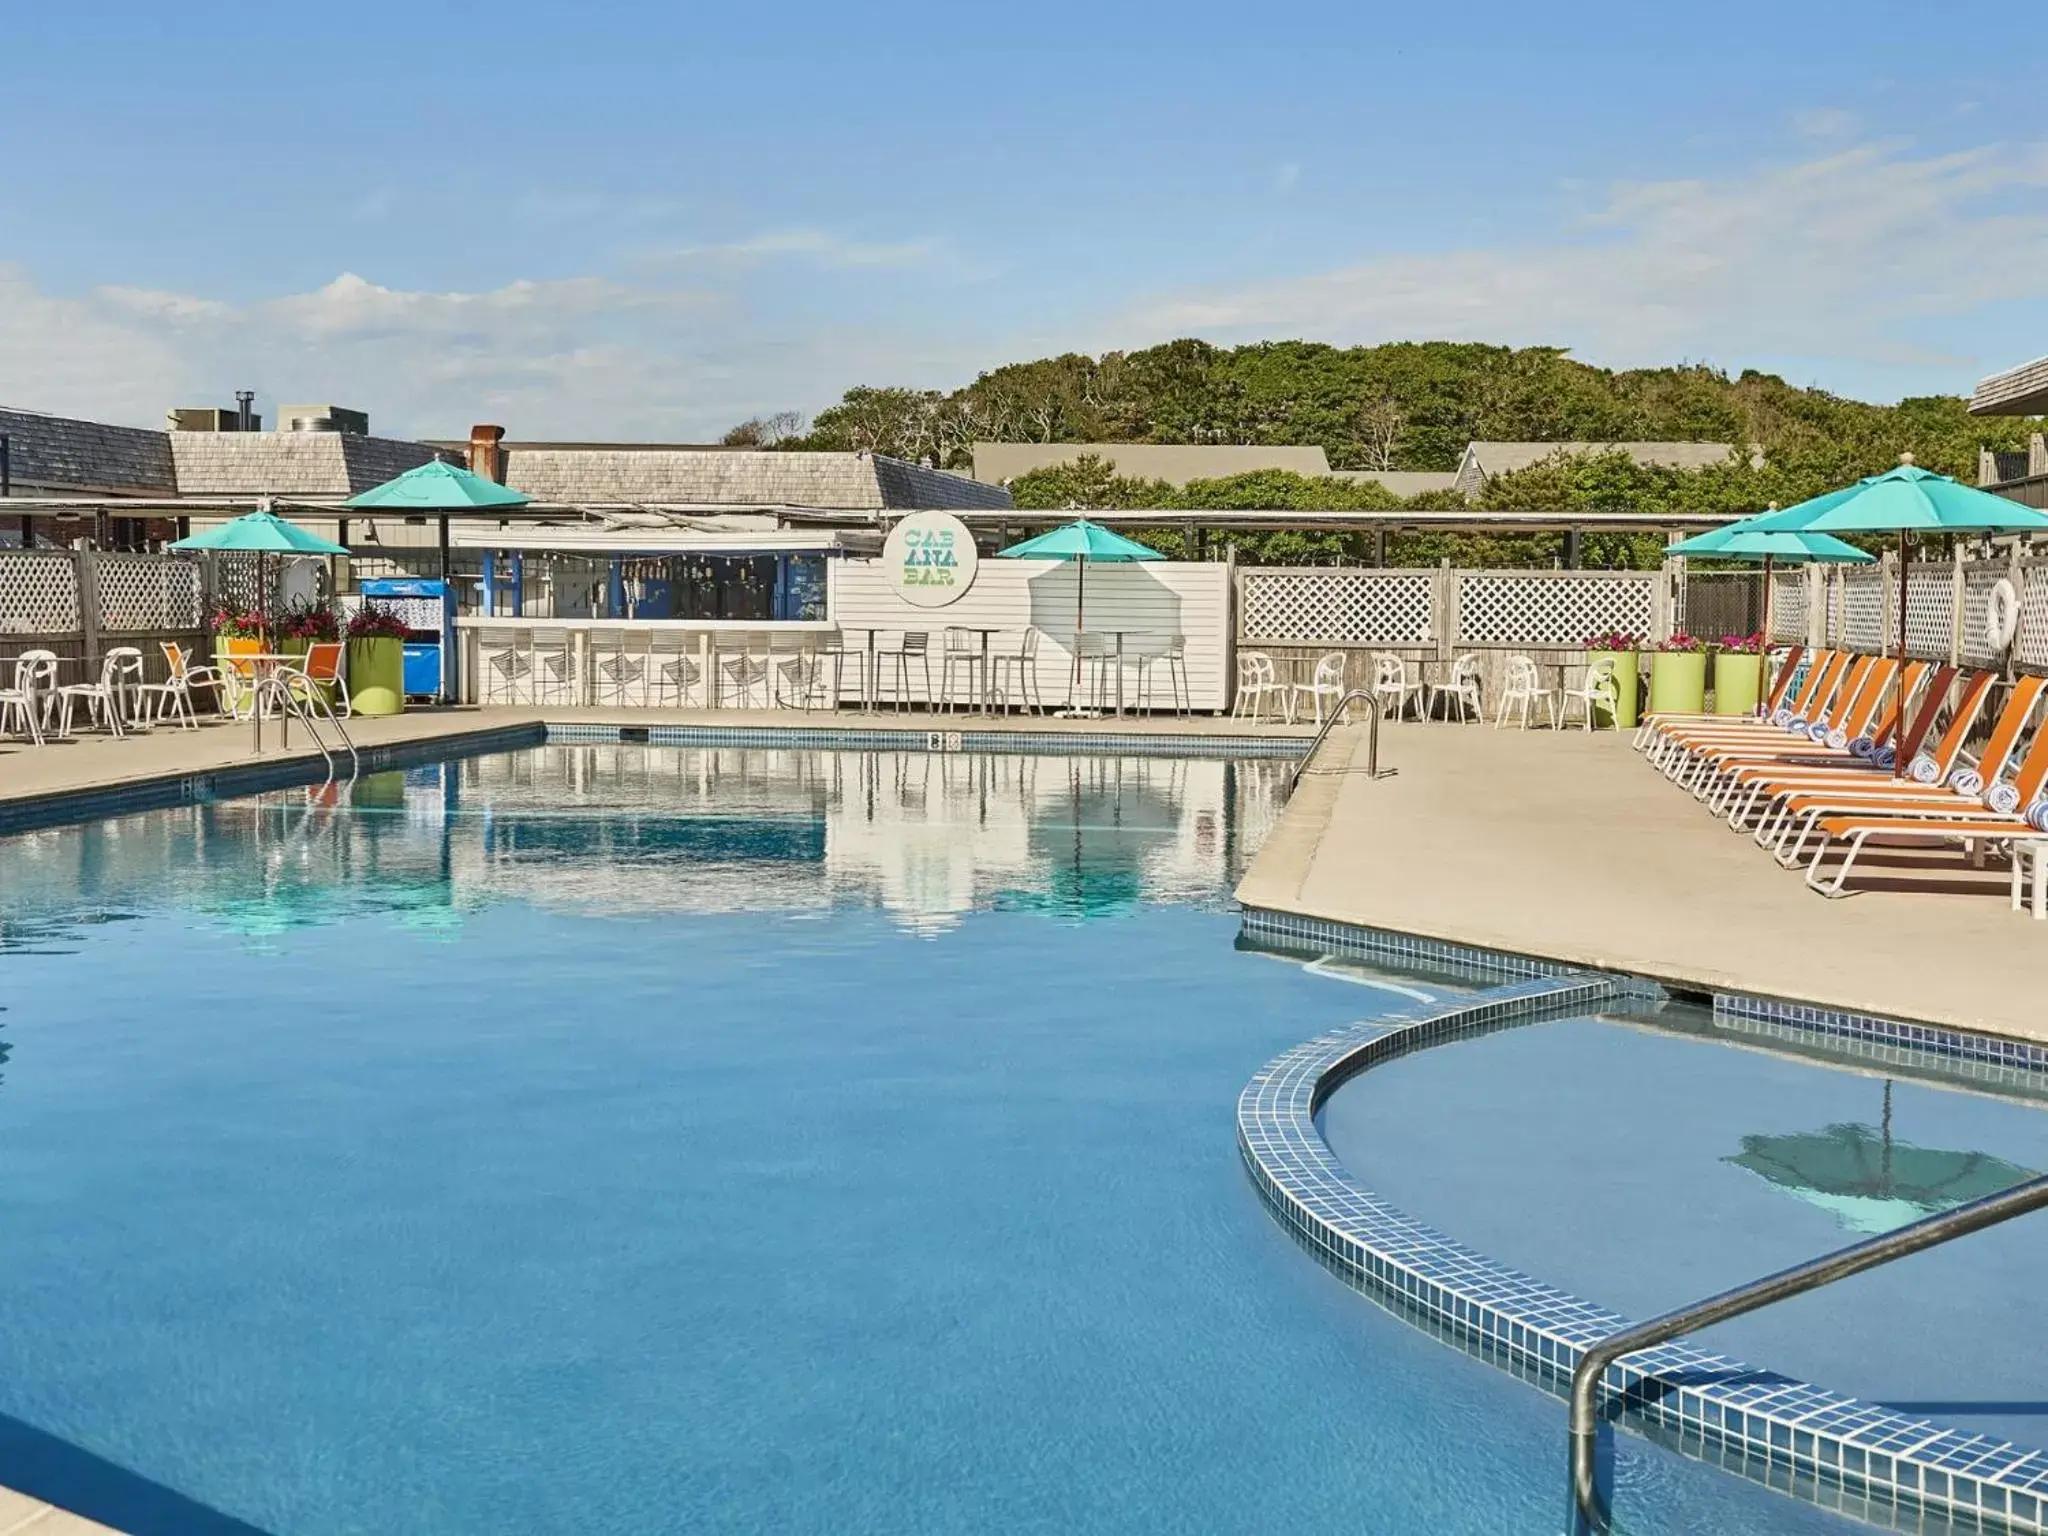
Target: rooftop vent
<point>323,418</point>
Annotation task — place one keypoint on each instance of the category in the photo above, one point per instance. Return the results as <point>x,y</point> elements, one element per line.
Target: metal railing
<point>1586,1419</point>
<point>1372,747</point>
<point>299,697</point>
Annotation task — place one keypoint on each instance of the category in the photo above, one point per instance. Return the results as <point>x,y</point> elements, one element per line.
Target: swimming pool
<point>654,1139</point>
<point>1742,1157</point>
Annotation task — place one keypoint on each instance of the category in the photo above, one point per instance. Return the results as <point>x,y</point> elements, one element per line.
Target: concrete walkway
<point>21,1515</point>
<point>1570,847</point>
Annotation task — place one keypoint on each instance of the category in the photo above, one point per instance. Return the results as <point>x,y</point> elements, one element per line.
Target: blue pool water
<point>645,1140</point>
<point>1739,1162</point>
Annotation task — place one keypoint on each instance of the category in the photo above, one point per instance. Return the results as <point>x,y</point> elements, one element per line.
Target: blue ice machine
<point>428,609</point>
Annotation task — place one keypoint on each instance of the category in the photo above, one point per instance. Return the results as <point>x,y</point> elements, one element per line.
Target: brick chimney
<point>486,458</point>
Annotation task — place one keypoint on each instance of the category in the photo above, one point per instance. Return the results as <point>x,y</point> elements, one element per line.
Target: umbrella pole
<point>1080,610</point>
<point>1899,680</point>
<point>1763,644</point>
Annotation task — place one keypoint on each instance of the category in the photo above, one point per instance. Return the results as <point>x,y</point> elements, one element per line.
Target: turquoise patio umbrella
<point>436,486</point>
<point>1906,500</point>
<point>1080,541</point>
<point>1746,541</point>
<point>261,533</point>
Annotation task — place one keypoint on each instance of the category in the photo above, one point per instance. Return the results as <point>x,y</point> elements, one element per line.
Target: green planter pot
<point>1737,681</point>
<point>1678,683</point>
<point>1627,669</point>
<point>376,675</point>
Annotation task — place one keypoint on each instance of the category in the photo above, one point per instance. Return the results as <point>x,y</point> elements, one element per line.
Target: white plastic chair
<point>22,703</point>
<point>105,701</point>
<point>174,694</point>
<point>1462,690</point>
<point>1392,685</point>
<point>1522,687</point>
<point>1258,686</point>
<point>1328,683</point>
<point>1597,690</point>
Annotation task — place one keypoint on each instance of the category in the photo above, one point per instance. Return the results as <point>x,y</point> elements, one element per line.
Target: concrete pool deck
<point>1569,847</point>
<point>21,1515</point>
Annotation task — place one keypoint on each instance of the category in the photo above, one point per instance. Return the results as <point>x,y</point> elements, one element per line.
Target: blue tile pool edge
<point>883,738</point>
<point>1883,1461</point>
<point>59,807</point>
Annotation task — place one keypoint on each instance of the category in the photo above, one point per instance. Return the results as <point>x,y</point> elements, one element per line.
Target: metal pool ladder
<point>1372,746</point>
<point>1931,1232</point>
<point>309,707</point>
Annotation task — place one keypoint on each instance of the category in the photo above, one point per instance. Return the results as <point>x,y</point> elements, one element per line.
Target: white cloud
<point>1831,259</point>
<point>817,246</point>
<point>1827,123</point>
<point>582,356</point>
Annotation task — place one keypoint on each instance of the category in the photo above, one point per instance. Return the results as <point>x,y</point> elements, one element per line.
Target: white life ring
<point>2001,615</point>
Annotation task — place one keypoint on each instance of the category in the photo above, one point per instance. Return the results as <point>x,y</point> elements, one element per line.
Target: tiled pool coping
<point>1870,1460</point>
<point>28,813</point>
<point>921,738</point>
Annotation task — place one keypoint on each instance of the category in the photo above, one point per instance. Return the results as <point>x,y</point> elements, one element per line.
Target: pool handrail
<point>1372,749</point>
<point>1929,1232</point>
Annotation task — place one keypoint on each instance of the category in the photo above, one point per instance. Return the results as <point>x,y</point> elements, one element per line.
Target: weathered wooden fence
<point>80,603</point>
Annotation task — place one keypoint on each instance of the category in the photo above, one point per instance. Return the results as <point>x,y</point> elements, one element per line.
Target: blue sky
<point>653,221</point>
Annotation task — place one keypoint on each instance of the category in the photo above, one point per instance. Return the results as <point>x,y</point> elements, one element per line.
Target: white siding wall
<point>1155,598</point>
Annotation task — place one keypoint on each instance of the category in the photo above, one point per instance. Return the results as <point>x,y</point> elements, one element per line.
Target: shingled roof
<point>60,455</point>
<point>593,474</point>
<point>1175,463</point>
<point>1484,460</point>
<point>311,464</point>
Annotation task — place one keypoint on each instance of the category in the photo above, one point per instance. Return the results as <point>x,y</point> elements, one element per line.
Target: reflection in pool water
<point>635,1139</point>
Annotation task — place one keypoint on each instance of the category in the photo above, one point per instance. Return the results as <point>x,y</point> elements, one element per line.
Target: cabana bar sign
<point>930,558</point>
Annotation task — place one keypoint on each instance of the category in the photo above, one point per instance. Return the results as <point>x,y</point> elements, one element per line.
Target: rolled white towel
<point>1863,746</point>
<point>1796,725</point>
<point>2037,815</point>
<point>2002,799</point>
<point>1884,757</point>
<point>1781,716</point>
<point>1817,734</point>
<point>1966,781</point>
<point>1923,769</point>
<point>1838,738</point>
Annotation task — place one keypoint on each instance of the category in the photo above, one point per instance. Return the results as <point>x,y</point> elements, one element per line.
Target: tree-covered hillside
<point>1405,405</point>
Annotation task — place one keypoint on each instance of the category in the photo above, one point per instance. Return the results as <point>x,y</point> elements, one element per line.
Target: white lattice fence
<point>2030,643</point>
<point>1538,608</point>
<point>1979,578</point>
<point>1930,611</point>
<point>147,592</point>
<point>38,594</point>
<point>1337,606</point>
<point>1859,625</point>
<point>1788,607</point>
